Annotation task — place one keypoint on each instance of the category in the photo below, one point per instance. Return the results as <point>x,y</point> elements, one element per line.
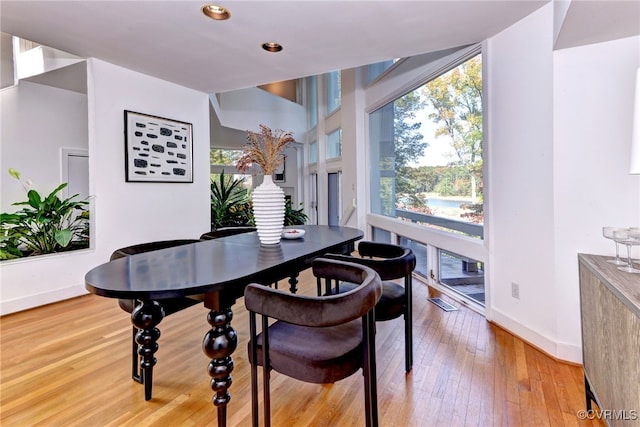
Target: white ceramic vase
<point>268,211</point>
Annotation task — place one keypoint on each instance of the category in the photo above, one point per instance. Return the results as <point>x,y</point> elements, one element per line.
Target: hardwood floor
<point>68,364</point>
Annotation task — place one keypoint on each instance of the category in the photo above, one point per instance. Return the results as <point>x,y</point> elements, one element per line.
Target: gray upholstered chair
<point>169,305</point>
<point>391,262</point>
<point>316,339</point>
<point>226,231</point>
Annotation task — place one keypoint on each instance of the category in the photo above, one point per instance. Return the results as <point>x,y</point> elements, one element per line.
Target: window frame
<point>312,102</point>
<point>332,86</point>
<point>399,80</point>
<point>328,157</point>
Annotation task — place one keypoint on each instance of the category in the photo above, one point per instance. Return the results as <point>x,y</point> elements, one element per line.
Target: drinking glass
<point>607,232</point>
<point>628,237</point>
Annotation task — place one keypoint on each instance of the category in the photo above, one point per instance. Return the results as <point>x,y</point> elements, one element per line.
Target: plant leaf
<point>52,196</point>
<point>63,237</point>
<point>34,199</point>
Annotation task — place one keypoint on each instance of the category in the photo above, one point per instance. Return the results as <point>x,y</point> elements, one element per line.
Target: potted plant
<point>266,150</point>
<point>44,225</point>
<point>294,216</point>
<point>230,202</point>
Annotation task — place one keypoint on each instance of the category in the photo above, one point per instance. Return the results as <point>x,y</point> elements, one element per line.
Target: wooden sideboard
<point>610,312</point>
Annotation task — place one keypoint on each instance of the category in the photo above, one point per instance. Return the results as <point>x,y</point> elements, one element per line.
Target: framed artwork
<point>278,174</point>
<point>157,149</point>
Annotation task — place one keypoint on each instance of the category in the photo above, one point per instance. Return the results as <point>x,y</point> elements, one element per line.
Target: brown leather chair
<point>316,339</point>
<point>391,262</point>
<point>169,305</point>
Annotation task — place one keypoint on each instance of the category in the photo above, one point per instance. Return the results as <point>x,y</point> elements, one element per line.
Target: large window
<point>375,70</point>
<point>223,160</point>
<point>334,144</point>
<point>463,275</point>
<point>332,86</point>
<point>224,157</point>
<point>426,153</point>
<point>312,102</point>
<point>313,152</point>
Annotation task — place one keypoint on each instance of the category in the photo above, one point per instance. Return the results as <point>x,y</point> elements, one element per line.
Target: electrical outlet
<point>515,290</point>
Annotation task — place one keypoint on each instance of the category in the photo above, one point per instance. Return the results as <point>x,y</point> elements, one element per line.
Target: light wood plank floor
<point>68,364</point>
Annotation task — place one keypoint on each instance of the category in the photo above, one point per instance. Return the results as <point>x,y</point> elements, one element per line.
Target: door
<point>75,172</point>
<point>314,199</point>
<point>334,198</point>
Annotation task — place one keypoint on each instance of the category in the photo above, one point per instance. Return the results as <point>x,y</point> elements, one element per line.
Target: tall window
<point>313,152</point>
<point>312,102</point>
<point>332,84</point>
<point>224,156</point>
<point>374,70</point>
<point>223,160</point>
<point>334,144</point>
<point>426,153</point>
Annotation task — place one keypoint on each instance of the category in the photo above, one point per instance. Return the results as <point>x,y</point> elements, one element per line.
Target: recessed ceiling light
<point>272,47</point>
<point>216,12</point>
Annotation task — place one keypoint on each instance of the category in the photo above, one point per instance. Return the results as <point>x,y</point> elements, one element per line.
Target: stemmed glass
<point>628,237</point>
<point>607,232</point>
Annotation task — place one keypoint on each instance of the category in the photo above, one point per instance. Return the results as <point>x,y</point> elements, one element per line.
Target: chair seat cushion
<point>170,305</point>
<point>315,355</point>
<point>391,303</point>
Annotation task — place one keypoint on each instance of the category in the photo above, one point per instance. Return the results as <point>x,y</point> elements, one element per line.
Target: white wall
<point>520,183</point>
<point>37,121</point>
<point>559,129</point>
<point>354,138</point>
<point>123,213</point>
<point>129,213</point>
<point>245,109</point>
<point>6,60</point>
<point>593,104</point>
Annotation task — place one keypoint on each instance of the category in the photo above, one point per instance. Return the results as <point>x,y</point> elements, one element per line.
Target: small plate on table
<point>292,233</point>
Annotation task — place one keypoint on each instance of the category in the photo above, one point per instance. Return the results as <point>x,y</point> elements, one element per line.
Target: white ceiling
<point>591,21</point>
<point>174,41</point>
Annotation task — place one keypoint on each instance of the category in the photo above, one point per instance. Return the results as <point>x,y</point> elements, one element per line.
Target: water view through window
<point>426,153</point>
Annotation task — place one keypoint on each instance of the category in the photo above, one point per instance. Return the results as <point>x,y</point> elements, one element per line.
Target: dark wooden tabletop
<point>228,263</point>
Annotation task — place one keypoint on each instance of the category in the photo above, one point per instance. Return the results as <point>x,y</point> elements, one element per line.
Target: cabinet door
<point>611,350</point>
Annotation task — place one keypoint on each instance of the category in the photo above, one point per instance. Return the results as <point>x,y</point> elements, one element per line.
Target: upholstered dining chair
<point>226,231</point>
<point>169,305</point>
<point>391,262</point>
<point>316,339</point>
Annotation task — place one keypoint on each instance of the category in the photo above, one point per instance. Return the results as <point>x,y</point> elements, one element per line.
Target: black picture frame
<point>157,149</point>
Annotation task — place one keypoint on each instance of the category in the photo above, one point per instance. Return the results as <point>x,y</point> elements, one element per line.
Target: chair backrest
<point>389,261</point>
<point>226,231</point>
<point>148,247</point>
<point>129,304</point>
<point>324,310</point>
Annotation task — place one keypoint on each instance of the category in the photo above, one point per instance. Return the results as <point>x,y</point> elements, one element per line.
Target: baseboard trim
<point>560,352</point>
<point>32,301</point>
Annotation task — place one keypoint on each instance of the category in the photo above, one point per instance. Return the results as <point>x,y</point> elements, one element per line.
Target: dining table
<point>219,269</point>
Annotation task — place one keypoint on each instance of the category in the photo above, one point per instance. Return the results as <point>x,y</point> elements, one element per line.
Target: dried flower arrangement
<point>266,149</point>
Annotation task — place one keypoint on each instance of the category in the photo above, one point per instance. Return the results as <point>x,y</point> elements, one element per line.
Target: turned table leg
<point>218,344</point>
<point>293,283</point>
<point>146,317</point>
